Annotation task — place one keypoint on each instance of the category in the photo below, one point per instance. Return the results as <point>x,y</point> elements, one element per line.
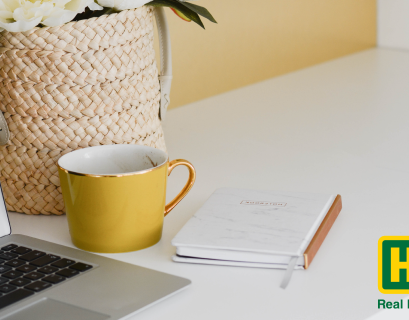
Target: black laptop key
<point>9,247</point>
<point>63,263</point>
<point>34,275</point>
<point>12,274</point>
<point>38,286</point>
<point>48,270</point>
<point>81,267</point>
<point>68,273</point>
<point>21,250</point>
<point>53,279</point>
<point>3,280</point>
<point>4,268</point>
<point>47,259</point>
<point>20,282</point>
<point>26,268</point>
<point>8,256</point>
<point>6,288</point>
<point>13,297</point>
<point>31,255</point>
<point>15,263</point>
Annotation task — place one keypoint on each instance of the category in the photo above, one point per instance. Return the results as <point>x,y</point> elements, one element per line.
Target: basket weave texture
<point>86,83</point>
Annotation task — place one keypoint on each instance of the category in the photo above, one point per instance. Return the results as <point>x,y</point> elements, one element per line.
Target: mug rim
<point>113,175</point>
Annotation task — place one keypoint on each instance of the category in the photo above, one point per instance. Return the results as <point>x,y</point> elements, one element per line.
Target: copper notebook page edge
<point>322,231</point>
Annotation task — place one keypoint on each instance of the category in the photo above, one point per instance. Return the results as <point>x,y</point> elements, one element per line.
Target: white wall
<point>393,23</point>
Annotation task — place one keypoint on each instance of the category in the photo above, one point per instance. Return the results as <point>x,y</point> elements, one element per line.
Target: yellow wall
<point>259,39</point>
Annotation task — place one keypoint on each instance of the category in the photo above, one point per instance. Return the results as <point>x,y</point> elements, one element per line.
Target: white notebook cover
<point>233,263</point>
<point>237,224</point>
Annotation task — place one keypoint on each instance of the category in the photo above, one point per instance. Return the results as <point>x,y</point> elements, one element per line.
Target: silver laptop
<point>43,280</point>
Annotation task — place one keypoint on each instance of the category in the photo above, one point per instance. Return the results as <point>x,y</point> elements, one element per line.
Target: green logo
<point>393,264</point>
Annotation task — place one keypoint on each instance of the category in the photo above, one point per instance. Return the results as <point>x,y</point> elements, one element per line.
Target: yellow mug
<point>115,195</point>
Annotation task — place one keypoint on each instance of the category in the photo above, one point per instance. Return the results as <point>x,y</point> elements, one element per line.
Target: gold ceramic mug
<point>115,196</point>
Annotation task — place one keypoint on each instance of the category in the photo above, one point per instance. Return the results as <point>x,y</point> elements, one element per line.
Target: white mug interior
<point>114,159</point>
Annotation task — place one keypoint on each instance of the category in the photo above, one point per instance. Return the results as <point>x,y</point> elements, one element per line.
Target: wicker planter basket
<point>86,83</point>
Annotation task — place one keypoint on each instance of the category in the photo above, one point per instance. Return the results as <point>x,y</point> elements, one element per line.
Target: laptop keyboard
<point>25,271</point>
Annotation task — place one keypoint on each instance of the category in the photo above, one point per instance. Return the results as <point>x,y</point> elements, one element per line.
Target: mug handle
<point>189,184</point>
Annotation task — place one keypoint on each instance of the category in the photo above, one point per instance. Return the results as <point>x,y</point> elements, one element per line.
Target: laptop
<point>40,280</point>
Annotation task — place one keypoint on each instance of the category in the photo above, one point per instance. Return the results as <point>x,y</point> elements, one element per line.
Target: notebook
<point>41,280</point>
<point>265,229</point>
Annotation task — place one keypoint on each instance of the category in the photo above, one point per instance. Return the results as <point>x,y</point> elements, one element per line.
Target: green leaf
<point>199,10</point>
<point>189,13</point>
<point>88,13</point>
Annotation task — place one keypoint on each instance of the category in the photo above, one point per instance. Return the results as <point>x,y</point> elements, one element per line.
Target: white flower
<point>24,15</point>
<point>122,4</point>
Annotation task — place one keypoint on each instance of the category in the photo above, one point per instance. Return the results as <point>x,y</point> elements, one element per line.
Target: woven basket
<point>86,83</point>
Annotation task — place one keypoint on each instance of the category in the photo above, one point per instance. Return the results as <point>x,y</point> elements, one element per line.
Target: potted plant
<point>73,74</point>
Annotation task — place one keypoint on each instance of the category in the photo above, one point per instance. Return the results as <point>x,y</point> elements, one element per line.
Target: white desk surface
<point>339,127</point>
